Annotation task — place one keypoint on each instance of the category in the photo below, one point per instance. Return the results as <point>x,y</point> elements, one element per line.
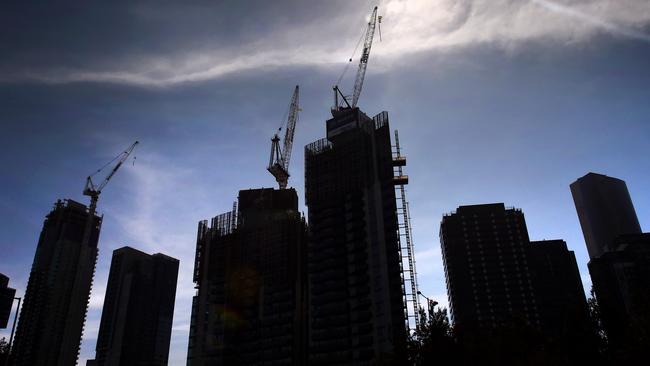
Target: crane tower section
<point>281,156</point>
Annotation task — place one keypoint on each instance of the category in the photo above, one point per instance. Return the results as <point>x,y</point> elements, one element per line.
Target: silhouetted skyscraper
<point>621,281</point>
<point>356,307</point>
<point>619,253</point>
<point>605,211</point>
<point>250,308</point>
<point>136,322</point>
<point>7,295</point>
<point>485,255</point>
<point>54,309</point>
<point>558,287</point>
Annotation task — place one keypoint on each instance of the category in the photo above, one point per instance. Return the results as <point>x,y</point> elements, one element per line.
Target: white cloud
<point>408,27</point>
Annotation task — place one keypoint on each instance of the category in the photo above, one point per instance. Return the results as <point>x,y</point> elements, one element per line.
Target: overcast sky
<point>495,100</point>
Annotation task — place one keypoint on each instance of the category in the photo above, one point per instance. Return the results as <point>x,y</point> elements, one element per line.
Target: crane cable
<point>110,162</point>
<point>351,57</point>
<point>284,118</point>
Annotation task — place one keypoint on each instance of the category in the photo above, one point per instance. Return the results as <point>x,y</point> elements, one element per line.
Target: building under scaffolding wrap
<point>356,303</point>
<point>250,306</point>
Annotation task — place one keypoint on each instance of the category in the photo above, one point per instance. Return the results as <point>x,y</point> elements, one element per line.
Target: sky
<point>495,101</point>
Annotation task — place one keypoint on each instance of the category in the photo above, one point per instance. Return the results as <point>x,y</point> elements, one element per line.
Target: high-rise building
<point>619,252</point>
<point>621,281</point>
<point>136,323</point>
<point>6,300</point>
<point>485,255</point>
<point>558,288</point>
<point>356,308</point>
<point>605,211</point>
<point>55,302</point>
<point>249,271</point>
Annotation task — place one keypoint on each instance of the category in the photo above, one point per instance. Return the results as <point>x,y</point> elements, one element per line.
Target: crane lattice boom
<point>280,157</point>
<point>363,62</point>
<point>93,190</point>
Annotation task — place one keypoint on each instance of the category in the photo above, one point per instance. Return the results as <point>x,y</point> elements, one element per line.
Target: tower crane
<point>280,157</point>
<point>93,191</point>
<point>87,257</point>
<point>363,64</point>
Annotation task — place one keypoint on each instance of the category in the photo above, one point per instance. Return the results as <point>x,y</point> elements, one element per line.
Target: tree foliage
<point>433,341</point>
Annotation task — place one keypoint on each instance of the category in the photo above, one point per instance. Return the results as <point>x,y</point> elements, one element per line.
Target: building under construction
<point>249,271</point>
<point>54,309</point>
<point>356,303</point>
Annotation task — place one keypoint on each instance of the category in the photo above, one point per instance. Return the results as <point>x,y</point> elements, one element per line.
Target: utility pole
<point>13,329</point>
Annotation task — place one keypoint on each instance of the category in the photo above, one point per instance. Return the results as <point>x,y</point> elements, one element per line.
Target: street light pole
<point>13,329</point>
<point>431,303</point>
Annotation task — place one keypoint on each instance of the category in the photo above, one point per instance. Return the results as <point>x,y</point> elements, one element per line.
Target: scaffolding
<point>405,241</point>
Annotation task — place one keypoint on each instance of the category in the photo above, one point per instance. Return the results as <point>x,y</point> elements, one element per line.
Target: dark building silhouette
<point>619,253</point>
<point>605,211</point>
<point>558,287</point>
<point>486,260</point>
<point>136,323</point>
<point>250,306</point>
<point>7,295</point>
<point>356,310</point>
<point>621,281</point>
<point>55,302</point>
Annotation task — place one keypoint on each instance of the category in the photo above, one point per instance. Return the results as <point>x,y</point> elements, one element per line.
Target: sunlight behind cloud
<point>408,27</point>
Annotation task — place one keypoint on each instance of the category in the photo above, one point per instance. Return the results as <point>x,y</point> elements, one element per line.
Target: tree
<point>433,341</point>
<point>4,350</point>
<point>596,321</point>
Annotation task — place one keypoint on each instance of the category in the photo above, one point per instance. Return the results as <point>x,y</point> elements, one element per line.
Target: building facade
<point>605,211</point>
<point>487,269</point>
<point>356,308</point>
<point>621,281</point>
<point>7,295</point>
<point>138,311</point>
<point>55,302</point>
<point>618,250</point>
<point>558,288</point>
<point>250,306</point>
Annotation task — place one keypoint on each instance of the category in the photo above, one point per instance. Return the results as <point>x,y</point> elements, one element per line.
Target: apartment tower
<point>485,255</point>
<point>356,308</point>
<point>249,271</point>
<point>136,323</point>
<point>55,302</point>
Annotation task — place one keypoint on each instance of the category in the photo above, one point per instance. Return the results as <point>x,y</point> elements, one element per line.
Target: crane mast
<point>280,157</point>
